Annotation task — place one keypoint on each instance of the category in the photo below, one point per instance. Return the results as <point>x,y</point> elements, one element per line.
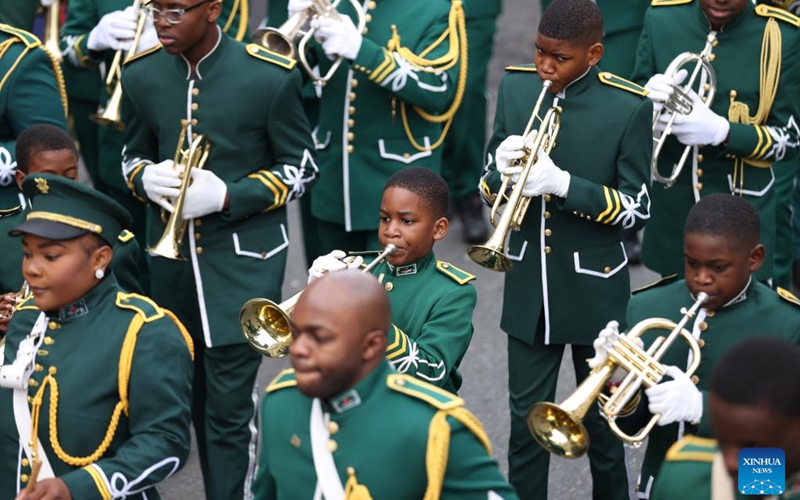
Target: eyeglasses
<point>173,16</point>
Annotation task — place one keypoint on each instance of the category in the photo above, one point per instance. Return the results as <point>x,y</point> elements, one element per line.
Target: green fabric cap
<point>64,209</point>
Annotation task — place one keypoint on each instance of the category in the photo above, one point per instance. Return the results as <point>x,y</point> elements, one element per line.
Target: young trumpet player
<point>259,159</point>
<point>722,254</point>
<point>432,300</point>
<point>568,251</point>
<point>734,140</point>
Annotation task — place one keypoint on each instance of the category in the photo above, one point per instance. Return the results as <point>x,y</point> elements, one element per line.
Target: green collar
<point>412,267</point>
<point>103,291</point>
<point>580,84</point>
<point>361,392</point>
<point>206,64</point>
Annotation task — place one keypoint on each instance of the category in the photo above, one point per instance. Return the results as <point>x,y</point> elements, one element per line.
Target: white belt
<point>328,479</point>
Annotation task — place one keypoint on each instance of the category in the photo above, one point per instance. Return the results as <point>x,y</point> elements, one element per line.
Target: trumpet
<point>292,37</point>
<point>681,103</point>
<point>52,28</point>
<point>23,295</point>
<point>492,255</point>
<point>110,115</point>
<point>265,324</point>
<point>169,245</point>
<point>559,428</point>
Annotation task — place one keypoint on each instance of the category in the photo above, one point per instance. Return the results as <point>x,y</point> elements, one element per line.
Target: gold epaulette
<point>148,309</point>
<point>283,380</point>
<point>692,449</point>
<point>621,83</point>
<point>416,388</point>
<point>667,3</point>
<point>458,275</point>
<point>260,52</point>
<point>788,296</point>
<point>663,281</point>
<point>29,39</point>
<point>780,14</point>
<point>142,54</point>
<point>531,68</point>
<point>125,236</point>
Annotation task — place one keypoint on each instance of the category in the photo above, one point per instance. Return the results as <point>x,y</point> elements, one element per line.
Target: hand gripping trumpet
<point>680,102</point>
<point>265,324</point>
<point>292,37</point>
<point>492,254</point>
<point>558,428</point>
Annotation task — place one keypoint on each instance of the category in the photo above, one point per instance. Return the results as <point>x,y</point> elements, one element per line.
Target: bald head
<point>339,326</point>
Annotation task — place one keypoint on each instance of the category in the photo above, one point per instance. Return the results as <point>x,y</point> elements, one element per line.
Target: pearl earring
<point>99,273</point>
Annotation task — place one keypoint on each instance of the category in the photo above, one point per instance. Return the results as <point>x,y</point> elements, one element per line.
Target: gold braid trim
<point>456,34</point>
<point>126,359</point>
<point>183,330</point>
<point>739,112</point>
<point>439,445</point>
<point>5,47</point>
<point>62,88</point>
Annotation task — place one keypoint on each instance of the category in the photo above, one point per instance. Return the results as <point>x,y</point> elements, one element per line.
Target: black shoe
<point>475,228</point>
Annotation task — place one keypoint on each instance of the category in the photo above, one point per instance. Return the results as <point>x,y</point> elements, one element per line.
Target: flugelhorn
<point>680,102</point>
<point>52,29</point>
<point>265,324</point>
<point>492,254</point>
<point>23,295</point>
<point>169,245</point>
<point>110,115</point>
<point>292,37</point>
<point>559,428</point>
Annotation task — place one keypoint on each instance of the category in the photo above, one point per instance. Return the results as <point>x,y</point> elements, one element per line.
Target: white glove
<point>205,195</point>
<point>296,6</point>
<point>149,38</point>
<point>661,87</point>
<point>701,126</point>
<point>334,261</point>
<point>546,178</point>
<point>509,150</point>
<point>114,31</point>
<point>605,339</point>
<point>677,400</point>
<point>339,38</point>
<point>47,3</point>
<point>161,181</point>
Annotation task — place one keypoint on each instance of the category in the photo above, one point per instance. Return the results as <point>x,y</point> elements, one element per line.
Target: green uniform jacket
<point>31,92</point>
<point>83,356</point>
<point>482,8</point>
<point>572,247</point>
<point>379,430</point>
<point>717,332</point>
<point>85,81</point>
<point>432,305</point>
<point>260,146</point>
<point>688,473</point>
<point>736,63</point>
<point>360,140</point>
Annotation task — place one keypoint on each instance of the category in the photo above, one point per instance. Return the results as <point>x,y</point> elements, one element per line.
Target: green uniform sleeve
<point>82,17</point>
<point>472,474</point>
<point>491,180</point>
<point>125,264</point>
<point>433,92</point>
<point>433,353</point>
<point>141,145</point>
<point>158,426</point>
<point>645,64</point>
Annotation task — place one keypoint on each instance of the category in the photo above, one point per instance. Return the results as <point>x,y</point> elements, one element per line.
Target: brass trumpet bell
<point>557,430</point>
<point>111,115</point>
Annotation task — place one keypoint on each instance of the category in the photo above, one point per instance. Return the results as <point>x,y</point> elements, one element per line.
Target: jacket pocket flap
<point>261,244</point>
<point>399,150</point>
<point>603,262</point>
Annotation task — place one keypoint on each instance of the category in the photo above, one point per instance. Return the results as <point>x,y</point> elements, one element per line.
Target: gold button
<point>547,197</point>
<point>699,172</point>
<point>547,215</point>
<point>547,249</point>
<point>699,186</point>
<point>607,269</point>
<point>406,155</point>
<point>331,445</point>
<point>350,136</point>
<point>445,265</point>
<point>49,341</point>
<point>710,314</point>
<point>197,236</point>
<point>701,343</point>
<point>400,382</point>
<point>351,471</point>
<point>704,98</point>
<point>707,87</point>
<point>351,110</point>
<point>199,251</point>
<point>548,232</point>
<point>368,17</point>
<point>52,370</point>
<point>695,379</point>
<point>711,57</point>
<point>53,325</point>
<point>333,428</point>
<point>703,326</point>
<point>38,367</point>
<point>295,441</point>
<point>350,149</point>
<point>365,30</point>
<point>195,106</point>
<point>371,5</point>
<point>194,135</point>
<point>195,91</point>
<point>194,122</point>
<point>42,352</point>
<point>33,383</point>
<point>198,223</point>
<point>24,462</point>
<point>388,286</point>
<point>23,478</point>
<point>352,96</point>
<point>588,217</point>
<point>733,94</point>
<point>351,123</point>
<point>715,43</point>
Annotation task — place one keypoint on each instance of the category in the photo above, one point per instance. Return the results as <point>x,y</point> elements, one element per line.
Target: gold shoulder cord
<point>456,34</point>
<point>739,112</point>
